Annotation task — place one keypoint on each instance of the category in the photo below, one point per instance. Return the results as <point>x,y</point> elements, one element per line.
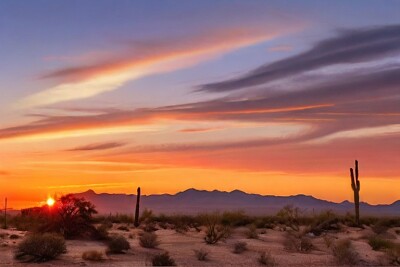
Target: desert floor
<point>181,247</point>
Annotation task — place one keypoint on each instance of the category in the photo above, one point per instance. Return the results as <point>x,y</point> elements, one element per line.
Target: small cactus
<point>137,208</point>
<point>355,185</point>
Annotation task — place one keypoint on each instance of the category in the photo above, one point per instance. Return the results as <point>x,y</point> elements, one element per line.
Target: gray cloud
<point>350,46</point>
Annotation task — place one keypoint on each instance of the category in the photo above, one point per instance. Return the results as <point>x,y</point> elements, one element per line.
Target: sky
<point>268,97</point>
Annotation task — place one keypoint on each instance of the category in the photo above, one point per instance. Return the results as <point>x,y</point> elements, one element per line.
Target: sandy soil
<point>181,246</point>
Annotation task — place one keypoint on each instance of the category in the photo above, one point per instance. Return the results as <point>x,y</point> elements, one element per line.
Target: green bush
<point>118,244</point>
<point>148,240</point>
<point>40,247</point>
<point>163,259</point>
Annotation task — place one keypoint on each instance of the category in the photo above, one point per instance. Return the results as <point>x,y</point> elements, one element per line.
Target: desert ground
<point>181,246</point>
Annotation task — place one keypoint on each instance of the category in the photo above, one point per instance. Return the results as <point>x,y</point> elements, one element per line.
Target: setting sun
<point>50,201</point>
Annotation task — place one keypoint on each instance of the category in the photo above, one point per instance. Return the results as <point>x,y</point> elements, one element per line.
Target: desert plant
<point>163,259</point>
<point>345,253</point>
<point>148,240</point>
<point>289,216</point>
<point>297,242</point>
<point>355,185</point>
<point>201,254</point>
<point>239,247</point>
<point>40,247</point>
<point>393,255</point>
<point>251,232</point>
<point>378,243</point>
<point>92,255</point>
<point>101,233</point>
<point>137,207</point>
<point>265,258</point>
<point>215,231</point>
<point>328,240</point>
<point>118,244</point>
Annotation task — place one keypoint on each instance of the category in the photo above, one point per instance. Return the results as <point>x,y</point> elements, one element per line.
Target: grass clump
<point>239,247</point>
<point>118,244</point>
<point>201,254</point>
<point>265,258</point>
<point>345,253</point>
<point>148,240</point>
<point>378,243</point>
<point>92,255</point>
<point>163,259</point>
<point>40,247</point>
<point>251,232</point>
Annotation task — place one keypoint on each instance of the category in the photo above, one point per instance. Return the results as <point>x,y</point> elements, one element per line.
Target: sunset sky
<point>268,97</point>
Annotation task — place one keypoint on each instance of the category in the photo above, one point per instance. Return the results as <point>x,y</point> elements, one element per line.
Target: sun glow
<point>50,201</point>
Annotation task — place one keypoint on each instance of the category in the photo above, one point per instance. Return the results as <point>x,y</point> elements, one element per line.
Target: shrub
<point>163,259</point>
<point>251,232</point>
<point>215,231</point>
<point>201,254</point>
<point>378,243</point>
<point>101,233</point>
<point>265,258</point>
<point>380,227</point>
<point>14,236</point>
<point>289,216</point>
<point>118,244</point>
<point>40,247</point>
<point>92,255</point>
<point>328,240</point>
<point>298,243</point>
<point>148,240</point>
<point>345,253</point>
<point>239,247</point>
<point>393,255</point>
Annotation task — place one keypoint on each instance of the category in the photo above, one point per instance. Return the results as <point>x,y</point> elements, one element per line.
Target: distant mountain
<point>194,201</point>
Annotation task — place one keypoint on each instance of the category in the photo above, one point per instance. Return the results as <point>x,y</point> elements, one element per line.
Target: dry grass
<point>92,255</point>
<point>118,244</point>
<point>345,253</point>
<point>148,240</point>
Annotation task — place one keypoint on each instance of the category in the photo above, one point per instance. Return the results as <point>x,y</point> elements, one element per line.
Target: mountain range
<point>193,201</point>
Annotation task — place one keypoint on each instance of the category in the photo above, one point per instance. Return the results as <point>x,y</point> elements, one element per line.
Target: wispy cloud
<point>144,58</point>
<point>349,46</point>
<point>101,146</point>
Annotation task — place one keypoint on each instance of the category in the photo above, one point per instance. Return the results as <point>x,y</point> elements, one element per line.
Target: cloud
<point>102,146</point>
<point>4,173</point>
<point>350,46</point>
<point>143,58</point>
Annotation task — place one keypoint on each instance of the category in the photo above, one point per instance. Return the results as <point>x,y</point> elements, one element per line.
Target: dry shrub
<point>92,255</point>
<point>163,259</point>
<point>251,232</point>
<point>201,254</point>
<point>118,244</point>
<point>239,247</point>
<point>393,255</point>
<point>148,240</point>
<point>40,247</point>
<point>215,231</point>
<point>265,258</point>
<point>328,240</point>
<point>296,242</point>
<point>378,243</point>
<point>345,253</point>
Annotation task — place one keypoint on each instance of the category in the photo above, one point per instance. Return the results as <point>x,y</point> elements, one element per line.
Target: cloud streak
<point>350,46</point>
<point>102,146</point>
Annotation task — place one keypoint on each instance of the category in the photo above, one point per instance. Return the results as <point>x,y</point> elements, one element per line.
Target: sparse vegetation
<point>148,240</point>
<point>215,231</point>
<point>289,216</point>
<point>378,243</point>
<point>345,253</point>
<point>92,255</point>
<point>40,247</point>
<point>251,232</point>
<point>201,254</point>
<point>163,259</point>
<point>239,247</point>
<point>118,244</point>
<point>265,258</point>
<point>393,255</point>
<point>297,242</point>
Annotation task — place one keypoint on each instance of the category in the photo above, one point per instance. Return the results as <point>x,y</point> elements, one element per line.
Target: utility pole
<point>5,214</point>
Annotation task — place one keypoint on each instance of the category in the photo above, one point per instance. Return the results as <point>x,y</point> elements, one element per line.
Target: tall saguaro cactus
<point>137,207</point>
<point>355,185</point>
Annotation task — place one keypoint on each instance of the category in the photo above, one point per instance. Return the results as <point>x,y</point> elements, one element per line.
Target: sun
<point>50,201</point>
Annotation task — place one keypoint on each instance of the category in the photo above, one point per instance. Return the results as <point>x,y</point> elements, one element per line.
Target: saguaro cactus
<point>137,207</point>
<point>355,185</point>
